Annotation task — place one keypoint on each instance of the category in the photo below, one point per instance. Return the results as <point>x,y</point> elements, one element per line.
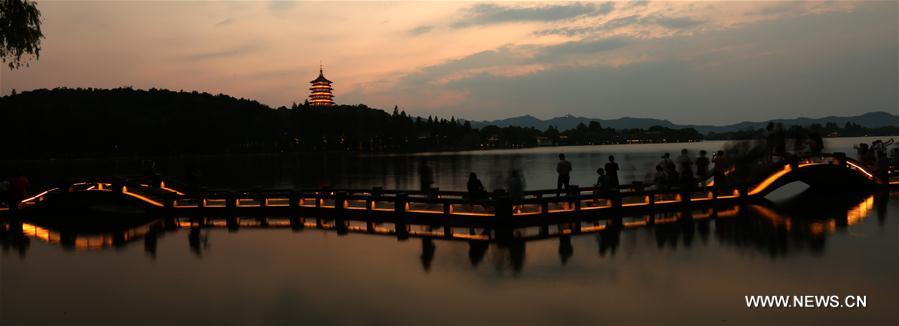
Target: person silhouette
<point>515,184</point>
<point>475,188</point>
<point>686,169</point>
<point>563,168</point>
<point>612,172</point>
<point>427,253</point>
<point>476,251</point>
<point>817,143</point>
<point>425,176</point>
<point>670,169</point>
<point>720,169</point>
<point>660,179</point>
<point>702,167</point>
<point>566,250</point>
<point>602,181</point>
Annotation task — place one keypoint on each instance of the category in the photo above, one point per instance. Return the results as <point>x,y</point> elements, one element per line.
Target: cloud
<point>506,55</point>
<point>758,71</point>
<point>488,14</point>
<point>673,22</point>
<point>281,5</point>
<point>668,22</point>
<point>227,21</point>
<point>420,30</point>
<point>583,47</point>
<point>230,52</point>
<point>638,3</point>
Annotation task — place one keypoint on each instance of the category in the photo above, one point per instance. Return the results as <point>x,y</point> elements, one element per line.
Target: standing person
<point>475,188</point>
<point>702,167</point>
<point>660,179</point>
<point>425,176</point>
<point>861,151</point>
<point>563,168</point>
<point>686,169</point>
<point>666,161</point>
<point>612,172</point>
<point>817,143</point>
<point>670,169</point>
<point>602,181</point>
<point>720,167</point>
<point>516,185</point>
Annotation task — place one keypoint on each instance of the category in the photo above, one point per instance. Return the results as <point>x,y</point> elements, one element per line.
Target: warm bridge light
<point>771,179</point>
<point>141,197</point>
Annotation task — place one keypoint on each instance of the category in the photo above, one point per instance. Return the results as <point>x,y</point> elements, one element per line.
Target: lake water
<point>451,169</point>
<point>685,271</point>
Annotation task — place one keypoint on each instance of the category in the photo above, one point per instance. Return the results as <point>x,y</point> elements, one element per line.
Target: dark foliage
<point>828,130</point>
<point>69,123</point>
<point>20,32</point>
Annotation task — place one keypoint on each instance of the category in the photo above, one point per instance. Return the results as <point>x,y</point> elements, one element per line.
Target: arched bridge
<point>828,171</point>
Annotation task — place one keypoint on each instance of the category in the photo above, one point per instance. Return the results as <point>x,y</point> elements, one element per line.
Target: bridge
<point>753,224</point>
<point>833,171</point>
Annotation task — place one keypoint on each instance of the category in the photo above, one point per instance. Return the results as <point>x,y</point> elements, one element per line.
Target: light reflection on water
<point>680,269</point>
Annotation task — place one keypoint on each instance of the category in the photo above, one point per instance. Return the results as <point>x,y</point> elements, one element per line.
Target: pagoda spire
<point>321,92</point>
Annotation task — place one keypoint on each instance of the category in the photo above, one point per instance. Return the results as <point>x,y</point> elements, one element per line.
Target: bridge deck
<point>378,203</point>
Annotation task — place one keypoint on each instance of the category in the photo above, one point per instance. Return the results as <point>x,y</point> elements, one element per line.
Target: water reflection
<point>776,230</point>
<point>304,171</point>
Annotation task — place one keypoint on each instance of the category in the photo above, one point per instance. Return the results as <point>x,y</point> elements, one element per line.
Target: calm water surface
<point>389,171</point>
<point>689,271</point>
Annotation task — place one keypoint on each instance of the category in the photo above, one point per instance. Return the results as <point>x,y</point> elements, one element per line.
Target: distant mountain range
<point>869,120</point>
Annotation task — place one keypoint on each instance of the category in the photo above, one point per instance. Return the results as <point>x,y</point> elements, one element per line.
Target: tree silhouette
<point>122,122</point>
<point>20,32</point>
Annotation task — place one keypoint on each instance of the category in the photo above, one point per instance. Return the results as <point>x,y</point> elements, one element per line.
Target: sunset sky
<point>688,62</point>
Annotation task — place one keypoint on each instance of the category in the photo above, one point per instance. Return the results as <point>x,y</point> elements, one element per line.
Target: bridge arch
<point>822,173</point>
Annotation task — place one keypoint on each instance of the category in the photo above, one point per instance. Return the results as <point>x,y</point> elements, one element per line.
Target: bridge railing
<point>436,201</point>
<point>456,203</point>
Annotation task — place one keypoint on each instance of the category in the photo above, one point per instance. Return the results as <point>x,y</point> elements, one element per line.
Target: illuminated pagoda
<point>321,91</point>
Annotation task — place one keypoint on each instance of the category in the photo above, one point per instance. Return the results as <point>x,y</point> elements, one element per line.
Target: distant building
<point>321,92</point>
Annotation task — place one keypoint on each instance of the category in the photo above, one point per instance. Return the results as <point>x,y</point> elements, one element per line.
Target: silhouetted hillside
<point>867,120</point>
<point>88,122</point>
<point>99,122</point>
<point>71,123</point>
<point>569,122</point>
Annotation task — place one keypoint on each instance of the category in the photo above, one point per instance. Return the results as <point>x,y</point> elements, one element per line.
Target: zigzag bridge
<point>833,171</point>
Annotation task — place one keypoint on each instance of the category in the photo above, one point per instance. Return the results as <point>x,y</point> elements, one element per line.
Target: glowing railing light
<point>37,196</point>
<point>860,169</point>
<point>771,179</point>
<point>163,187</point>
<point>141,197</point>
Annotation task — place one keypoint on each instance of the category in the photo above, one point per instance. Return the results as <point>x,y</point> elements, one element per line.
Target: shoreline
<point>380,154</point>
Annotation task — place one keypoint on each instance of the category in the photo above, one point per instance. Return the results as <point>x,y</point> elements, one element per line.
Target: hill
<point>66,122</point>
<point>76,123</point>
<point>867,120</point>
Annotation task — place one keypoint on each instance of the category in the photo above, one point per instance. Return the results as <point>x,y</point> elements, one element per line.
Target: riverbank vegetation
<point>71,123</point>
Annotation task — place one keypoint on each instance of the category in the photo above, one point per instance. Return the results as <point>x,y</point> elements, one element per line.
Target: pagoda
<point>321,91</point>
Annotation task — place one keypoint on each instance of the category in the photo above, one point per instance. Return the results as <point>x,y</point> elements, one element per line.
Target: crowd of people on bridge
<point>685,172</point>
<point>878,156</point>
<point>732,167</point>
